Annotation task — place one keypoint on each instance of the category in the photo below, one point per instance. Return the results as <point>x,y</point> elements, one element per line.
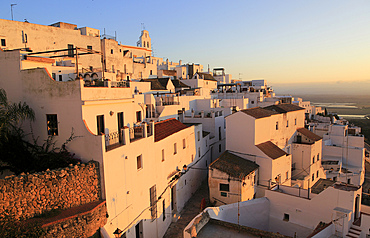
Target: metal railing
<point>114,139</point>
<point>120,84</point>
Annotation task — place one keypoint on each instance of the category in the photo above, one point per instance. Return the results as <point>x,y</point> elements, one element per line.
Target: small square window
<point>139,162</point>
<point>223,194</point>
<point>286,217</point>
<point>224,187</point>
<point>89,47</point>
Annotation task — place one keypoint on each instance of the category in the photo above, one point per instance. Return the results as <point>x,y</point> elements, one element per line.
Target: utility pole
<point>11,9</point>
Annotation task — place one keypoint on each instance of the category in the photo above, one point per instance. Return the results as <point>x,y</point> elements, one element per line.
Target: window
<point>54,76</point>
<point>295,121</point>
<point>198,133</point>
<point>183,143</point>
<point>317,174</point>
<point>175,148</point>
<point>313,177</point>
<point>224,187</point>
<point>277,125</point>
<point>138,116</point>
<point>349,181</point>
<point>162,155</point>
<point>286,217</point>
<point>313,159</point>
<point>192,158</point>
<point>89,47</point>
<point>199,152</point>
<point>100,124</point>
<point>287,175</point>
<point>219,148</point>
<point>111,51</point>
<point>164,209</point>
<point>318,156</point>
<point>219,133</point>
<point>223,194</point>
<point>334,179</point>
<point>293,166</point>
<point>52,124</point>
<point>144,44</point>
<point>139,162</point>
<point>287,123</point>
<point>60,77</point>
<point>153,202</point>
<point>147,44</point>
<point>70,50</point>
<point>3,42</point>
<point>151,72</point>
<point>252,102</point>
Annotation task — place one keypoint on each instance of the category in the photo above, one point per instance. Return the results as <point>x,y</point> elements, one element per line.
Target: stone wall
<point>29,194</point>
<point>84,224</point>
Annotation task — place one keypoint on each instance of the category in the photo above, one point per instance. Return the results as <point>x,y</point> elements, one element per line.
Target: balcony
<point>128,135</point>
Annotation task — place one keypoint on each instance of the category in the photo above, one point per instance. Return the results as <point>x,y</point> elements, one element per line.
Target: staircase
<point>354,231</point>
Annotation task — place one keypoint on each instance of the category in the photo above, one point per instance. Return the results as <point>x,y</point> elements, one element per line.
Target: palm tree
<point>12,115</point>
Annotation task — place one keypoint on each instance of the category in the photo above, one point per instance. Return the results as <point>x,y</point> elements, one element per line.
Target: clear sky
<point>286,42</point>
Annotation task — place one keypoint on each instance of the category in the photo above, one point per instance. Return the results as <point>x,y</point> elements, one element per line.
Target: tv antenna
<point>11,9</point>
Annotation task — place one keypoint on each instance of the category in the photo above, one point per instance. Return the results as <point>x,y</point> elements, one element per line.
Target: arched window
<point>144,43</point>
<point>147,44</point>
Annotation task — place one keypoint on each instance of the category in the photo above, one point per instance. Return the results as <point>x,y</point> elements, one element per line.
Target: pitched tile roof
<point>234,165</point>
<point>271,150</point>
<point>163,82</point>
<point>169,72</point>
<point>258,112</point>
<point>284,108</point>
<point>309,134</point>
<point>154,84</point>
<point>178,84</point>
<point>166,128</point>
<point>207,76</point>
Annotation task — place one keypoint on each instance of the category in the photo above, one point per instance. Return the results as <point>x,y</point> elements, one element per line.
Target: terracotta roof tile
<point>234,165</point>
<point>154,84</point>
<point>169,72</point>
<point>207,76</point>
<point>258,112</point>
<point>178,84</point>
<point>166,128</point>
<point>284,108</point>
<point>271,150</point>
<point>309,134</point>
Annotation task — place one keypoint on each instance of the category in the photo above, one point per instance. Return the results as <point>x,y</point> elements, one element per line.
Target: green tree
<point>18,154</point>
<point>12,115</point>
